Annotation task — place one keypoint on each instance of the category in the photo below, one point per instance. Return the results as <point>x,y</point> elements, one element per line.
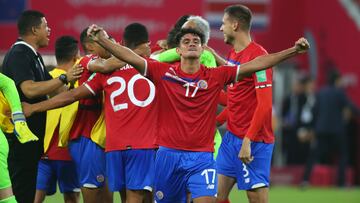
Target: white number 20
<point>130,91</point>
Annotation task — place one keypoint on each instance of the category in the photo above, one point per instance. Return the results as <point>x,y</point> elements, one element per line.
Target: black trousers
<point>324,148</point>
<point>23,164</point>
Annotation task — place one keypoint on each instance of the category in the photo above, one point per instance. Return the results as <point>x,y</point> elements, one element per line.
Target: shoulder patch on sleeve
<point>261,76</point>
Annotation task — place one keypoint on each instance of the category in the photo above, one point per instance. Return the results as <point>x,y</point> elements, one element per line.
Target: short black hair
<point>171,38</point>
<point>240,13</point>
<point>66,47</point>
<point>183,32</point>
<point>134,35</point>
<point>84,38</point>
<point>27,20</point>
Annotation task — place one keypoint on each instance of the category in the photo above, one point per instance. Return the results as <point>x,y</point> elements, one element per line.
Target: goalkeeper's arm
<point>8,88</point>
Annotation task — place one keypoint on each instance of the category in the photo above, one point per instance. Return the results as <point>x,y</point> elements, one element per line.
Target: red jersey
<point>57,153</point>
<point>130,109</point>
<point>242,100</point>
<point>89,109</point>
<point>188,104</point>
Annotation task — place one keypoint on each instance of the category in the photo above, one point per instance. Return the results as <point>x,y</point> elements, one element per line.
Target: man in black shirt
<point>25,66</point>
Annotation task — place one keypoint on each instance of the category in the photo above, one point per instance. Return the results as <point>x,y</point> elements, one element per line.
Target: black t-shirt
<point>21,64</point>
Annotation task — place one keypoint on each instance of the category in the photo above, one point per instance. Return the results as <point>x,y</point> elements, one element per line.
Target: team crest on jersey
<point>202,84</point>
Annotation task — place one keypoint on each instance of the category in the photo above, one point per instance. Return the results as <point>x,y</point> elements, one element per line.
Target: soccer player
<point>188,94</point>
<point>245,154</point>
<point>131,119</point>
<point>22,132</point>
<point>56,164</point>
<point>206,58</point>
<point>87,138</point>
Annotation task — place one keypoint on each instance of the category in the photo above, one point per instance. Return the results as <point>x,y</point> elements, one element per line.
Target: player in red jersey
<point>131,119</point>
<point>249,113</point>
<point>87,152</point>
<point>188,95</point>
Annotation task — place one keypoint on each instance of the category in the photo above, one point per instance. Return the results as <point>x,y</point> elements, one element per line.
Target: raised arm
<point>105,65</point>
<point>267,61</point>
<point>219,60</point>
<point>123,53</point>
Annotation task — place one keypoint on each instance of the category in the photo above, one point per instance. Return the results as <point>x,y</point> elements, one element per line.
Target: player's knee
<point>257,196</point>
<point>72,197</point>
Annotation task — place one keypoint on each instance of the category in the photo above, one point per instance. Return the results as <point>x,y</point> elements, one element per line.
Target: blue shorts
<point>89,159</point>
<point>177,172</point>
<point>130,169</point>
<point>51,171</point>
<point>256,174</point>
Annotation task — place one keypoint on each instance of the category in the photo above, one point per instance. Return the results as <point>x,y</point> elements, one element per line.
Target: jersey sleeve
<point>168,56</point>
<point>263,79</point>
<point>226,74</point>
<point>7,87</point>
<point>95,83</point>
<point>208,59</point>
<point>155,70</point>
<point>84,62</point>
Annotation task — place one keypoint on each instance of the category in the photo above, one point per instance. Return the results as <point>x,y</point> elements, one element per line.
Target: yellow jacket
<point>62,117</point>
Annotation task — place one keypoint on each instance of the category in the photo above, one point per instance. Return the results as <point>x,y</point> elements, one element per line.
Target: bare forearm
<point>58,101</point>
<point>265,61</point>
<point>106,66</point>
<point>123,54</point>
<point>219,60</point>
<point>33,89</point>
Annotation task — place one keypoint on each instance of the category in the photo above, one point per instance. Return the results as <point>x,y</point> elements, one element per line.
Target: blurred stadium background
<point>331,26</point>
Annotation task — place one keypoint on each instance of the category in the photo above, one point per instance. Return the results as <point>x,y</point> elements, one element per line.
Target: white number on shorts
<point>246,179</point>
<point>206,174</point>
<point>130,91</point>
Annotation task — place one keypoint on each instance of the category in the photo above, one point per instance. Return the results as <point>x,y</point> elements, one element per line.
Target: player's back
<point>131,113</point>
<point>89,108</point>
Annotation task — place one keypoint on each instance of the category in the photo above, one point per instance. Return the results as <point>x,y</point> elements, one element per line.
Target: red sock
<point>225,201</point>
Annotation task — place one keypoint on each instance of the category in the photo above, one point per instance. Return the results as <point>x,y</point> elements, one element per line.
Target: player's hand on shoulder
<point>74,73</point>
<point>302,45</point>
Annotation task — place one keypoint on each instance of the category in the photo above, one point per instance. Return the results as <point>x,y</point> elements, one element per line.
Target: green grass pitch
<point>279,195</point>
